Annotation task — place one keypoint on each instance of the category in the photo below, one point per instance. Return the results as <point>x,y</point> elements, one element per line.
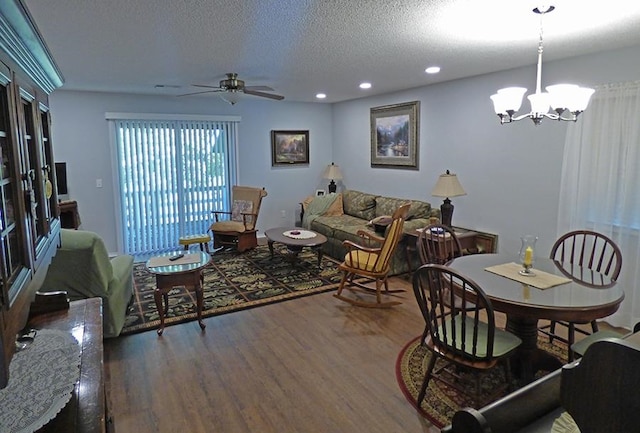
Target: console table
<point>86,411</point>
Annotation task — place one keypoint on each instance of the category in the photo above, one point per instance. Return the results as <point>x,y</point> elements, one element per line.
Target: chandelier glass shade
<point>566,101</point>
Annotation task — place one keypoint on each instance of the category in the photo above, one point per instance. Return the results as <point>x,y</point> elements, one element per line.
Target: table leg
<point>200,301</point>
<point>157,297</point>
<point>320,254</point>
<point>529,358</point>
<point>270,244</point>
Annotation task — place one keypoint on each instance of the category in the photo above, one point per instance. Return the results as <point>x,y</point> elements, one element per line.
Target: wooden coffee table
<point>309,239</point>
<point>186,271</point>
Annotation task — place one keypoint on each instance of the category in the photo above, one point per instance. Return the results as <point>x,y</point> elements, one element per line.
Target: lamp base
<point>446,212</point>
<point>332,187</point>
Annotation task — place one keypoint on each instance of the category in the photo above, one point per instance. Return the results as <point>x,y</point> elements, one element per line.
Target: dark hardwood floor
<point>314,364</point>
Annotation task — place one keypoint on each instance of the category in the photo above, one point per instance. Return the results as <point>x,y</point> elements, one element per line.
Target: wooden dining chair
<point>437,244</point>
<point>466,339</point>
<point>372,262</point>
<point>587,249</point>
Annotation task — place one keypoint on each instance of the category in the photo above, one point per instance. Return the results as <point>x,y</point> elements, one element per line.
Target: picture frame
<point>289,147</point>
<point>395,135</point>
<point>319,192</point>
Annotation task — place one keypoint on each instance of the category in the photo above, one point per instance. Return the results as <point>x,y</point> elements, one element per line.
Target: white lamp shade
<point>581,99</point>
<point>570,97</point>
<point>509,98</point>
<point>448,185</point>
<point>332,172</point>
<point>539,102</point>
<point>560,95</point>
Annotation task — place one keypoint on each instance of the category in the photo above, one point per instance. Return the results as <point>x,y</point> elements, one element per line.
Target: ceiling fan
<point>232,86</point>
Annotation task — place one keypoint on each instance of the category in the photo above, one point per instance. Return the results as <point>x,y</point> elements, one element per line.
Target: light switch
<point>98,183</point>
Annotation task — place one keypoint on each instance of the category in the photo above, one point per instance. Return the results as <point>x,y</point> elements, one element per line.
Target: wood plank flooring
<point>313,364</point>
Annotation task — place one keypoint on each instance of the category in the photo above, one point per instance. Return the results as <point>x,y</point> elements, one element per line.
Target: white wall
<point>81,138</point>
<point>511,172</point>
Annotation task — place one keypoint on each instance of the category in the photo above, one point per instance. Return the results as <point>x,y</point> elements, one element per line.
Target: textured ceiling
<point>302,47</point>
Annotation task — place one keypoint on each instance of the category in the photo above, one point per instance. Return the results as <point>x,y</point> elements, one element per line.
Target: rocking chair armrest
<point>350,245</point>
<point>217,213</point>
<point>245,219</point>
<point>370,237</point>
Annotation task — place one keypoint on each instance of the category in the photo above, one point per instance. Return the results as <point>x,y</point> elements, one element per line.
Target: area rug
<point>232,282</point>
<point>441,402</point>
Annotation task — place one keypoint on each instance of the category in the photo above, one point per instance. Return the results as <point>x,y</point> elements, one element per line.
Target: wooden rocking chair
<point>372,262</point>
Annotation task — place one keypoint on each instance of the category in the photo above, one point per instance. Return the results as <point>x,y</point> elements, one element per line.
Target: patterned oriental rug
<point>441,402</point>
<point>233,282</point>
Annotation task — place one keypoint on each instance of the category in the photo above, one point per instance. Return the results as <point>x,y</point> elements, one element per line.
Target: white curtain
<point>600,187</point>
<point>172,174</point>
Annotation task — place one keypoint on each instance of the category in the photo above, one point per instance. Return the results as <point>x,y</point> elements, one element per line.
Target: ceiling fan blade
<point>200,93</point>
<point>205,86</point>
<point>264,95</point>
<point>258,88</point>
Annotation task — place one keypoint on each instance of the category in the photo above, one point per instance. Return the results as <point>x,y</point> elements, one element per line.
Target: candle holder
<point>526,270</point>
<point>527,256</point>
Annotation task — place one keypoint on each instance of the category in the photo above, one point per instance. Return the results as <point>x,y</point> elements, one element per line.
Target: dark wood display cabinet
<point>29,221</point>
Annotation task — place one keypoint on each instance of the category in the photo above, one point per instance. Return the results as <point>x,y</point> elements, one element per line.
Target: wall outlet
<point>98,183</point>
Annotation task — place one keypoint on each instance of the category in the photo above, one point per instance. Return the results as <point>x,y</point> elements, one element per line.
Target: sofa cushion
<point>327,225</point>
<point>359,204</point>
<point>388,205</point>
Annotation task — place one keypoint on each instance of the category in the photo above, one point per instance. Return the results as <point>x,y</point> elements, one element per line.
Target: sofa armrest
<point>122,270</point>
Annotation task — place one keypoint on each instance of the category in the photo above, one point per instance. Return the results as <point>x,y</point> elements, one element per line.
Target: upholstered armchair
<point>83,269</point>
<point>238,228</point>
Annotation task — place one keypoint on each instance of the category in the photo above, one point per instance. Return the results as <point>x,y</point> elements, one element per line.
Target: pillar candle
<point>528,255</point>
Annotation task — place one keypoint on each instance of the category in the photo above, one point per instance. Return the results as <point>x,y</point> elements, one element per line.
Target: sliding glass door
<point>172,175</point>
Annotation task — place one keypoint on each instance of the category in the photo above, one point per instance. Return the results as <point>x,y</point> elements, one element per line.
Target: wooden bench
<point>599,391</point>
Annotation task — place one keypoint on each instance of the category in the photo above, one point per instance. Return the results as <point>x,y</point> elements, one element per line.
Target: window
<point>172,175</point>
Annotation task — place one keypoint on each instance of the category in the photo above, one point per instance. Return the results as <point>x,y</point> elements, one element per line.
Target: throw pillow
<point>239,207</point>
<point>336,207</point>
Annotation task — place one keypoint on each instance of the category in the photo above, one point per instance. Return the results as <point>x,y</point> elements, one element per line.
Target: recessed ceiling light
<point>321,95</point>
<point>365,85</point>
<point>166,86</point>
<point>432,69</point>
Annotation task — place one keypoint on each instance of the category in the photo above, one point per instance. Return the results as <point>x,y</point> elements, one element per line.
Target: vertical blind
<point>172,175</point>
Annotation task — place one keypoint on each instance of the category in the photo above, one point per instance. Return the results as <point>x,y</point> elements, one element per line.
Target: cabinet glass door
<point>14,259</point>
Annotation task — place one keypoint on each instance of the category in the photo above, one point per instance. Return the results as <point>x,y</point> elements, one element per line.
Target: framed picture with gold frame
<point>289,147</point>
<point>394,135</point>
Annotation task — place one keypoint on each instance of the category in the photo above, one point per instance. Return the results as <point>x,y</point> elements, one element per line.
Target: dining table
<point>574,294</point>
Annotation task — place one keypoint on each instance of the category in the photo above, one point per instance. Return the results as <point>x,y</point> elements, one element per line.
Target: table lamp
<point>332,172</point>
<point>447,186</point>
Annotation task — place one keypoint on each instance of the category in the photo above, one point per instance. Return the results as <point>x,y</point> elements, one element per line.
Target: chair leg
<point>342,282</point>
<point>379,290</point>
<point>594,326</point>
<point>427,377</point>
<point>552,330</point>
<point>571,337</point>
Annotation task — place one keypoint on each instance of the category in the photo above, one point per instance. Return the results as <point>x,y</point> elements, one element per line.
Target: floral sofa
<point>340,216</point>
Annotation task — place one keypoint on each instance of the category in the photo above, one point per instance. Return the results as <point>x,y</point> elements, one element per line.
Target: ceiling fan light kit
<point>231,88</point>
<point>566,101</point>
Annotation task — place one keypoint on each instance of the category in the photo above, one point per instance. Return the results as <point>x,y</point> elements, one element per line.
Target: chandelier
<point>566,101</point>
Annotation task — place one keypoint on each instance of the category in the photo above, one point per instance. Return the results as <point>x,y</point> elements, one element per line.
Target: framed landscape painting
<point>394,135</point>
<point>289,147</point>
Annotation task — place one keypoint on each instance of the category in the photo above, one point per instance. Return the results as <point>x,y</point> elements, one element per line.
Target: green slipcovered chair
<point>83,269</point>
